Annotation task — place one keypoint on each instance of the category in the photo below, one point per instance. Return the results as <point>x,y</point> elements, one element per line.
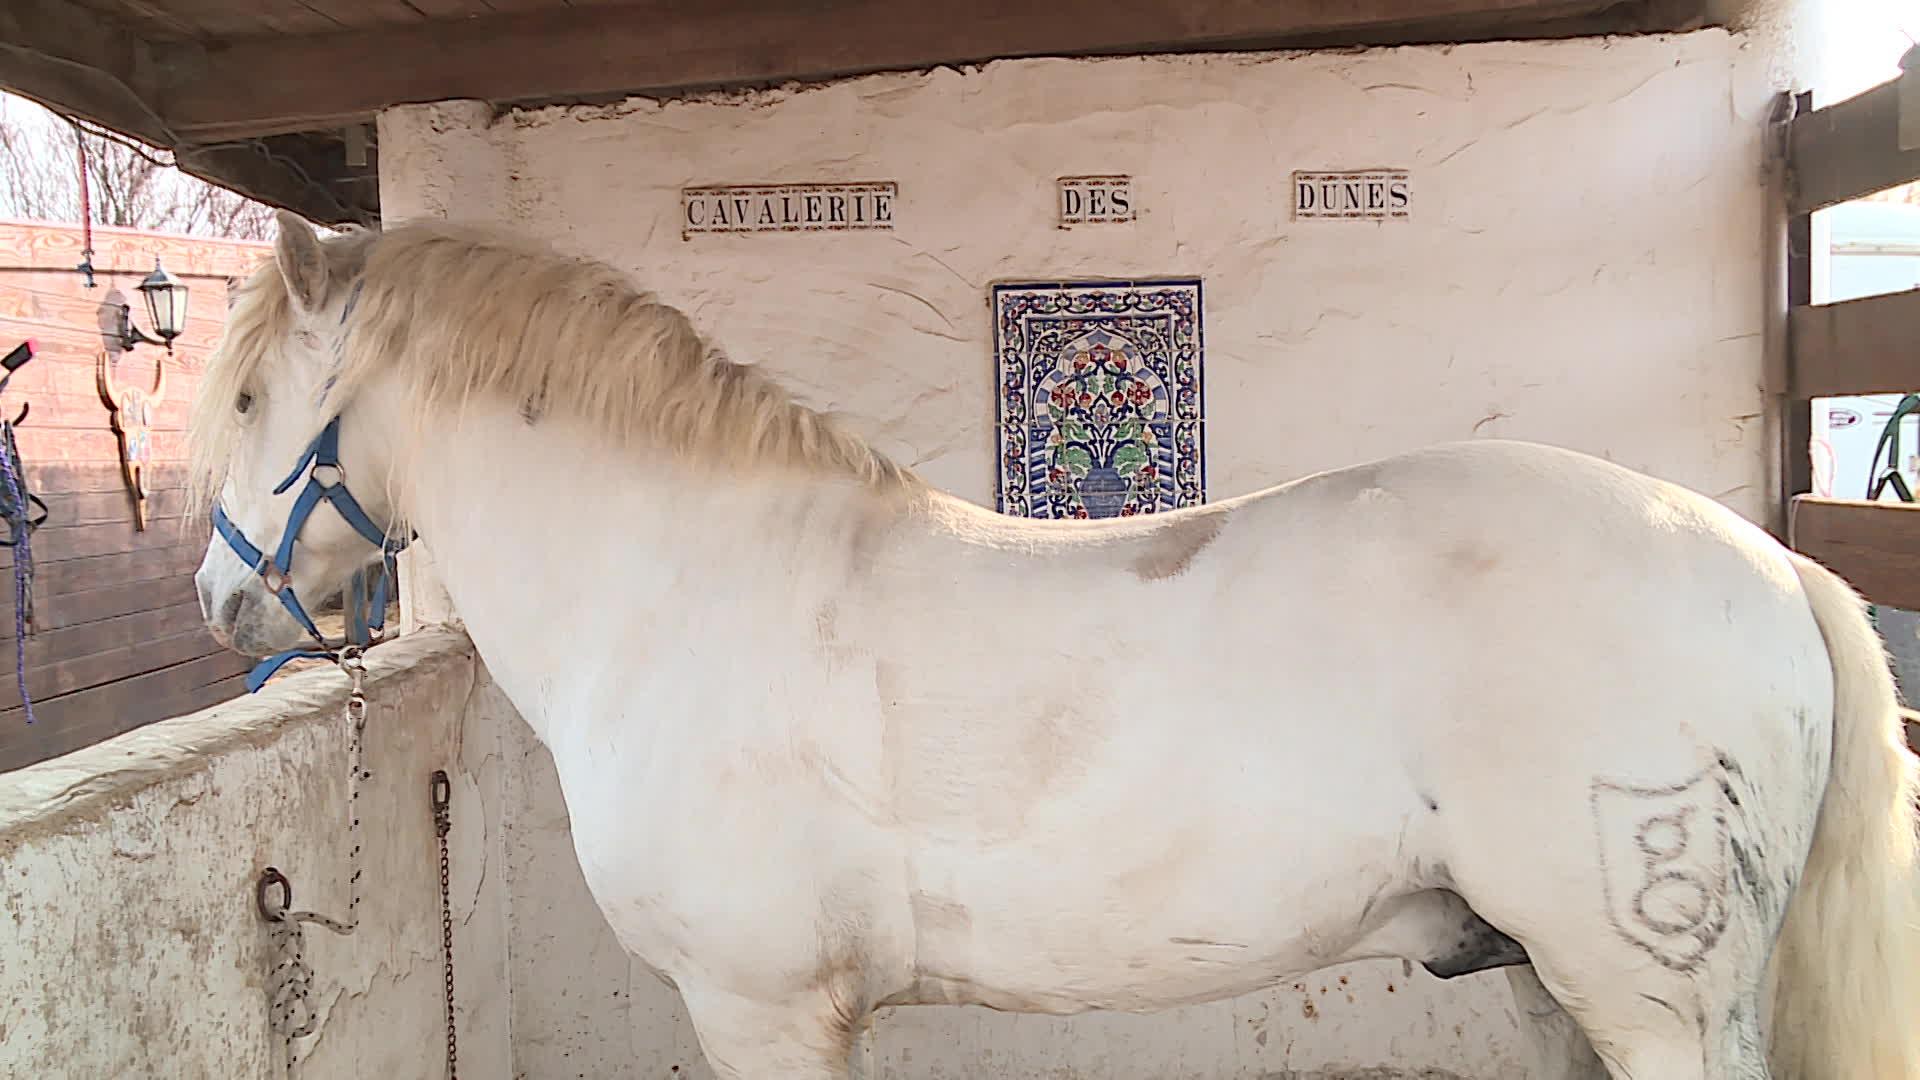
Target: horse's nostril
<point>230,611</point>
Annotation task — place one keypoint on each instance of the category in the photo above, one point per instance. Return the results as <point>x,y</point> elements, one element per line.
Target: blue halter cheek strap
<point>366,595</point>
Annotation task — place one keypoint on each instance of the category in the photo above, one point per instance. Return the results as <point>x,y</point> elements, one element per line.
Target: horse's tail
<point>1846,971</point>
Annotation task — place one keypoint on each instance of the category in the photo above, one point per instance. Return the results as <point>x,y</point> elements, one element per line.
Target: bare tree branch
<point>131,186</point>
<point>41,183</point>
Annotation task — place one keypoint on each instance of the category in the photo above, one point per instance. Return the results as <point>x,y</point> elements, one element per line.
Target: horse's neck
<point>581,572</point>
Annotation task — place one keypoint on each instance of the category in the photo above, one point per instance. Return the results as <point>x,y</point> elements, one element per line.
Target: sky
<point>28,114</point>
<point>1864,40</point>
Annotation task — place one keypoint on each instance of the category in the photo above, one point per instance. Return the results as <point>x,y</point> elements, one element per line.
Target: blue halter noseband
<point>366,597</point>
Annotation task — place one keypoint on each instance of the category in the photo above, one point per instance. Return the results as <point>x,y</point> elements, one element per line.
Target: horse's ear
<point>302,263</point>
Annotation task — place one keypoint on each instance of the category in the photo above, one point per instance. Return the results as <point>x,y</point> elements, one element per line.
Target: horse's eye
<point>245,402</point>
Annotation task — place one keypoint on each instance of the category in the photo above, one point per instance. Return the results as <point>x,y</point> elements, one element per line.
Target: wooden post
<point>1796,422</point>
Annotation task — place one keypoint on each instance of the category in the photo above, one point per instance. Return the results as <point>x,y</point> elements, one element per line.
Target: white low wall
<point>129,942</point>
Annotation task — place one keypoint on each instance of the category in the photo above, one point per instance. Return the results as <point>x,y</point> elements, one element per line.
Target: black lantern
<point>166,310</point>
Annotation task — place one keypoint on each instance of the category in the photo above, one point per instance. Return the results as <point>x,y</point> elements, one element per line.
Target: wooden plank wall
<point>1865,346</point>
<point>119,640</point>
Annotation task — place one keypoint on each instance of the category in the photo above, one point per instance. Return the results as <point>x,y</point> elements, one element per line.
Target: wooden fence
<point>1865,346</point>
<point>119,639</point>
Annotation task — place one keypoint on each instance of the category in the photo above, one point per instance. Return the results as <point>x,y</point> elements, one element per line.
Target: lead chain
<point>440,795</point>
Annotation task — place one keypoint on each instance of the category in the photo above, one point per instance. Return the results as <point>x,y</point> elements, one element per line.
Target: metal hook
<point>12,362</point>
<point>270,880</point>
<point>15,359</point>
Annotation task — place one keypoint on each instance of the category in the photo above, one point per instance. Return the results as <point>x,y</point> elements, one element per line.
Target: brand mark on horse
<point>1665,859</point>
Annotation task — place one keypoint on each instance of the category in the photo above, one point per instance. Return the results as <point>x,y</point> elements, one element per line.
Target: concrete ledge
<point>132,945</point>
<point>74,788</point>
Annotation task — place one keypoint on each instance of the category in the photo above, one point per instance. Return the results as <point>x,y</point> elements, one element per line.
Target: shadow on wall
<point>1901,629</point>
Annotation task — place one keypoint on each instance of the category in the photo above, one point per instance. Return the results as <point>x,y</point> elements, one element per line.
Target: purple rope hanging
<point>16,494</point>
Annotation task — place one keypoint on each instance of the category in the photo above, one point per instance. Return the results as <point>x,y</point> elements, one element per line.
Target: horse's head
<point>297,482</point>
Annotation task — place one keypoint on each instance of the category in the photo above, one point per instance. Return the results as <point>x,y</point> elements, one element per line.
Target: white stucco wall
<point>129,942</point>
<point>1583,266</point>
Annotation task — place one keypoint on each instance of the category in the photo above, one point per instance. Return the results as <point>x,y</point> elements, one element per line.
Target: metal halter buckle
<point>352,662</point>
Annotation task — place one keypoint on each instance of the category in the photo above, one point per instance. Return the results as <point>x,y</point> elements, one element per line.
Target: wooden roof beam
<point>309,176</point>
<point>83,63</point>
<point>262,85</point>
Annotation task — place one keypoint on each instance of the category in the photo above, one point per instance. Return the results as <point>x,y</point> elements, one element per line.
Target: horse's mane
<point>462,313</point>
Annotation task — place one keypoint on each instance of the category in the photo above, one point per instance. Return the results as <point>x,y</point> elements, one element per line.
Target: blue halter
<point>366,597</point>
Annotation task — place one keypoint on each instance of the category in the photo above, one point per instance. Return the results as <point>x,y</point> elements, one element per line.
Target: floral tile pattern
<point>1100,398</point>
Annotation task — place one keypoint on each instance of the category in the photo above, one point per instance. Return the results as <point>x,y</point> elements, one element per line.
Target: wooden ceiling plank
<point>309,8</point>
<point>220,19</point>
<point>157,23</point>
<point>325,80</point>
<point>283,19</point>
<point>361,14</point>
<point>452,9</point>
<point>209,19</point>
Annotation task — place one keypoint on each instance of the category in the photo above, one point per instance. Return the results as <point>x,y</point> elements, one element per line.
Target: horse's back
<point>1550,608</point>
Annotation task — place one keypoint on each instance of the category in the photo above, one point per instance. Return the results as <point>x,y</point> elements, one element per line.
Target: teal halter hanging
<point>365,601</point>
<point>1889,444</point>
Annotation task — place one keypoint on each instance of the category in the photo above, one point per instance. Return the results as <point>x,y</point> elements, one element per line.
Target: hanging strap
<point>17,501</point>
<point>13,480</point>
<point>1889,443</point>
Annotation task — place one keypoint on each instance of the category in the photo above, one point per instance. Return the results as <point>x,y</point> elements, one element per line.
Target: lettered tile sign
<point>1095,200</point>
<point>1363,195</point>
<point>768,208</point>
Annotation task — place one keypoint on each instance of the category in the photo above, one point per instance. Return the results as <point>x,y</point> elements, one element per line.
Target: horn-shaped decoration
<point>131,410</point>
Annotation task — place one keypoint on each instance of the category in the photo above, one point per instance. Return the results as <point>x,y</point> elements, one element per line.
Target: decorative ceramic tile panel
<point>1100,398</point>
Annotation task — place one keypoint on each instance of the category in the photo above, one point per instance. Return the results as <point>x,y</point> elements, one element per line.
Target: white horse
<point>832,740</point>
